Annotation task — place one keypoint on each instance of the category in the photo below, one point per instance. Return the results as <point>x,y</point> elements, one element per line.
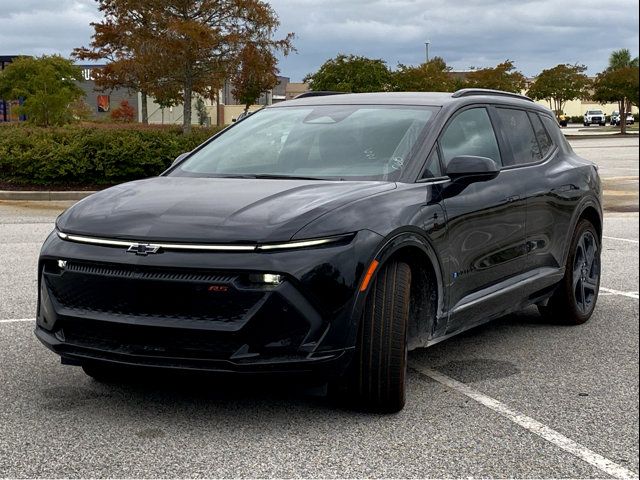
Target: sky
<point>535,34</point>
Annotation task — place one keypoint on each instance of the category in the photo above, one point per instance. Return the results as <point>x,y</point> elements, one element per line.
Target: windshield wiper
<point>267,176</point>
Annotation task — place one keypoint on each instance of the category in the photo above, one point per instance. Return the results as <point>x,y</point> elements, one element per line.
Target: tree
<point>560,84</point>
<point>48,86</point>
<point>201,110</point>
<point>174,49</point>
<point>351,74</point>
<point>257,72</point>
<point>621,59</point>
<point>202,38</point>
<point>127,39</point>
<point>619,85</point>
<point>432,76</point>
<point>503,76</point>
<point>618,60</point>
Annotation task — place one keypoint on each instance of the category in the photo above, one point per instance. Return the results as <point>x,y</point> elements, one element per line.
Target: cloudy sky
<point>536,34</point>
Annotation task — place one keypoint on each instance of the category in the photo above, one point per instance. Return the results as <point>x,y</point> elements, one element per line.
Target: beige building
<point>295,89</point>
<point>576,108</point>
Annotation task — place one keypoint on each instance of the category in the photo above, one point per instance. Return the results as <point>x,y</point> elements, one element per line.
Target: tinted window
<point>519,131</point>
<point>541,134</point>
<point>554,129</point>
<point>470,133</point>
<point>432,169</point>
<point>327,141</point>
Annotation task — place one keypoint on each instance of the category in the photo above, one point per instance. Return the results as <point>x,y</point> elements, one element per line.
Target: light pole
<point>426,44</point>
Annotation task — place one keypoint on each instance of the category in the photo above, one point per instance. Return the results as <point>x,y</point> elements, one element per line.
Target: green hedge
<point>90,155</point>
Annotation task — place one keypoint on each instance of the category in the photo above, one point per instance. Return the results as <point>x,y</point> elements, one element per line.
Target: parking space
<point>514,398</point>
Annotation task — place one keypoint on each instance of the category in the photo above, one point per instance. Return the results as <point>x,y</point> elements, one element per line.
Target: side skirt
<point>490,303</point>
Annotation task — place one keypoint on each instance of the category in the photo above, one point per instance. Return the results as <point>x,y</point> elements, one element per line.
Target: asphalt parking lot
<point>515,398</point>
<point>618,161</point>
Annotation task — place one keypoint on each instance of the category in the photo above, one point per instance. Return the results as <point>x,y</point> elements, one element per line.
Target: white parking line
<point>618,292</point>
<point>621,239</point>
<point>18,320</point>
<point>598,461</point>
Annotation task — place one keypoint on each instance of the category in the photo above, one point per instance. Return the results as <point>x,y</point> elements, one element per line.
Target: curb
<point>43,196</point>
<point>599,135</point>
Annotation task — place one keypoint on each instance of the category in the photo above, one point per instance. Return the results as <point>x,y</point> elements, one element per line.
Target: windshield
<point>355,142</point>
<point>595,112</point>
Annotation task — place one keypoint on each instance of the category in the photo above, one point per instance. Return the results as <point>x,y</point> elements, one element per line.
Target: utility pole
<point>427,43</point>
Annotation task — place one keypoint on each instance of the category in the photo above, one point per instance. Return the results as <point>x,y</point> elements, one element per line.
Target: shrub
<point>125,113</point>
<point>90,154</point>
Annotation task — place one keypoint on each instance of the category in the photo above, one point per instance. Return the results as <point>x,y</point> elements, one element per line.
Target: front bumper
<point>197,311</point>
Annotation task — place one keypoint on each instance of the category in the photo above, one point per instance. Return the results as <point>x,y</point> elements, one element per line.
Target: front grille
<point>147,341</point>
<point>169,313</point>
<point>119,271</point>
<point>133,291</point>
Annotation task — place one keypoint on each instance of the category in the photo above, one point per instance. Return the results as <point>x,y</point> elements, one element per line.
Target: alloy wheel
<point>586,272</point>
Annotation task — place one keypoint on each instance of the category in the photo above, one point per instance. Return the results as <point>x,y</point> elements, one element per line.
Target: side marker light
<point>369,275</point>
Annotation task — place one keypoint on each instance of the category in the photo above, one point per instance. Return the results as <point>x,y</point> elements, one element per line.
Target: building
<point>295,89</point>
<point>102,102</point>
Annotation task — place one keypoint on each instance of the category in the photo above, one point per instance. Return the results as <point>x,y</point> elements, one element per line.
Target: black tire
<point>104,372</point>
<point>376,380</point>
<point>575,299</point>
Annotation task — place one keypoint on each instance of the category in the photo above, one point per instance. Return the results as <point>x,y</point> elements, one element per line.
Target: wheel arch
<point>588,209</point>
<point>427,287</point>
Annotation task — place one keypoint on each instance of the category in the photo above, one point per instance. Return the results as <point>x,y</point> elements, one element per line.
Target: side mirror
<point>475,168</point>
<point>180,157</point>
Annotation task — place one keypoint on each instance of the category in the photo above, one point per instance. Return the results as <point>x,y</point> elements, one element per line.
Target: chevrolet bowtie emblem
<point>143,249</point>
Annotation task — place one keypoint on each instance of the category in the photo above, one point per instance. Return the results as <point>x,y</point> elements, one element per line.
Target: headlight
<point>314,242</point>
<point>265,247</point>
<point>266,278</point>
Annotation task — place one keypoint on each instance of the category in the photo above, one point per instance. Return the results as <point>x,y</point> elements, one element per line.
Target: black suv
<point>329,235</point>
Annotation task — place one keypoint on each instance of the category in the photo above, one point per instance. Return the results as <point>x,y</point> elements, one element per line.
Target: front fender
<point>398,241</point>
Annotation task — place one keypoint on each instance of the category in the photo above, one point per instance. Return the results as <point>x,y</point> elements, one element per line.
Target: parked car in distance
<point>328,236</point>
<point>594,117</point>
<point>615,118</point>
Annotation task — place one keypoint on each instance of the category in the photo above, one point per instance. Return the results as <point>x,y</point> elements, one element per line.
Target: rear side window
<point>541,134</point>
<point>554,129</point>
<point>470,133</point>
<point>519,131</point>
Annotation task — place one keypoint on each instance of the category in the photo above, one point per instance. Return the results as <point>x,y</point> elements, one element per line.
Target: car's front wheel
<point>377,377</point>
<point>575,299</point>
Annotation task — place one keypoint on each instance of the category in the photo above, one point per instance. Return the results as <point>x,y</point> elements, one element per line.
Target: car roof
<point>432,99</point>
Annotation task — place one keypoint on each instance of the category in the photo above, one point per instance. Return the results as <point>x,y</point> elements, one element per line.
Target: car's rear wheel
<point>575,299</point>
<point>377,377</point>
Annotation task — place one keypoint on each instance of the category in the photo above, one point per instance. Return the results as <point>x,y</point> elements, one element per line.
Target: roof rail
<point>317,94</point>
<point>470,92</point>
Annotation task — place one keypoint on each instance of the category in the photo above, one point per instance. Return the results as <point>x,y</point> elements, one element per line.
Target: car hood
<point>215,210</point>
